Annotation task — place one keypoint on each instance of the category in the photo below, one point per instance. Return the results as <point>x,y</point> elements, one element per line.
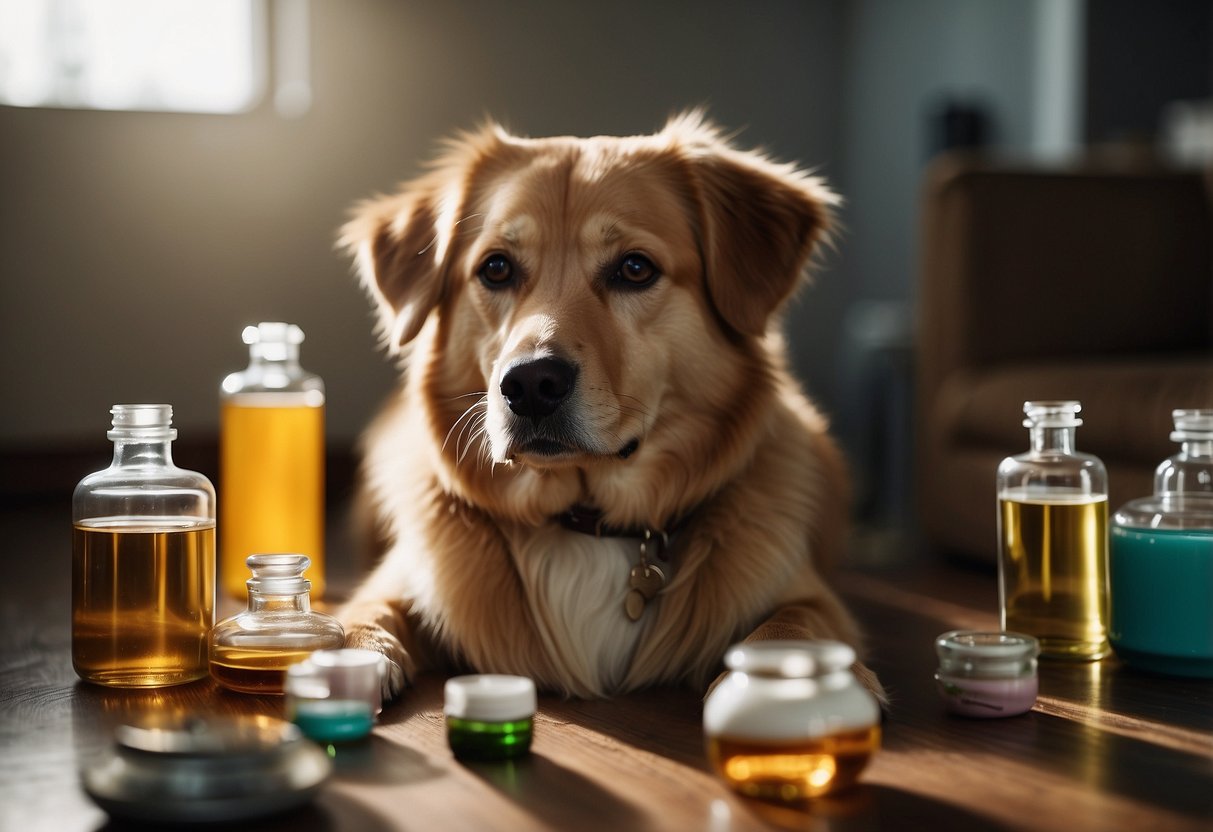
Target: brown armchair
<point>1093,284</point>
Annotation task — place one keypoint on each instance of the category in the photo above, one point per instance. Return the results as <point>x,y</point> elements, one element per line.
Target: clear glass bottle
<point>271,457</point>
<point>790,720</point>
<point>143,560</point>
<point>251,651</point>
<point>1053,538</point>
<point>1160,561</point>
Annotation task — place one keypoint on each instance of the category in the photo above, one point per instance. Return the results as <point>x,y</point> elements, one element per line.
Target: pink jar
<point>987,674</point>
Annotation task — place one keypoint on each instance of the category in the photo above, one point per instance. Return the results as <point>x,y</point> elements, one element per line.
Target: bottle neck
<point>1052,439</point>
<point>1195,449</point>
<point>274,356</point>
<point>279,602</point>
<point>129,452</point>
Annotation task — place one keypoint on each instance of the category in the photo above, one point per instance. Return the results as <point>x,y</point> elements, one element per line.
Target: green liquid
<point>1162,599</point>
<point>474,740</point>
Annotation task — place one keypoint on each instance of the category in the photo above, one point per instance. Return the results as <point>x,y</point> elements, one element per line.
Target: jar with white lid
<point>790,720</point>
<point>987,674</point>
<point>334,695</point>
<point>489,716</point>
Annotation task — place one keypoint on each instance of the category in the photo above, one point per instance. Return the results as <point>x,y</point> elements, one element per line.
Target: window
<point>200,56</point>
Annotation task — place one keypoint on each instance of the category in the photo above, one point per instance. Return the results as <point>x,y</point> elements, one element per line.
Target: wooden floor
<point>1104,749</point>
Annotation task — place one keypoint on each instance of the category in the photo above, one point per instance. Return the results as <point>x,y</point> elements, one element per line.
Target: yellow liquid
<point>1054,565</point>
<point>143,600</point>
<point>253,671</point>
<point>793,770</point>
<point>271,496</point>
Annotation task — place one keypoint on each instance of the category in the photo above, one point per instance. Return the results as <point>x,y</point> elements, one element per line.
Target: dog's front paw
<point>400,666</point>
<point>868,679</point>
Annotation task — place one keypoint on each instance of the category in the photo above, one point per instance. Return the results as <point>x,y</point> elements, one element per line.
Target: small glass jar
<point>334,695</point>
<point>987,674</point>
<point>1160,567</point>
<point>790,720</point>
<point>251,651</point>
<point>489,717</point>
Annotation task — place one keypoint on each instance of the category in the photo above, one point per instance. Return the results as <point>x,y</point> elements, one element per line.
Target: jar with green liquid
<point>489,717</point>
<point>1160,561</point>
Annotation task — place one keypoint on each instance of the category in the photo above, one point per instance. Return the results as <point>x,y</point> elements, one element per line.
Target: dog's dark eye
<point>636,271</point>
<point>497,272</point>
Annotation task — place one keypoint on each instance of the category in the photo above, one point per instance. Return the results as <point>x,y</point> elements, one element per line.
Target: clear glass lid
<point>1183,483</point>
<point>1175,512</point>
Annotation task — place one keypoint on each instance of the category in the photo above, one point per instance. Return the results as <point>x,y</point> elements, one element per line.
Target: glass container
<point>489,717</point>
<point>271,457</point>
<point>251,651</point>
<point>987,674</point>
<point>143,560</point>
<point>790,720</point>
<point>1053,538</point>
<point>1160,565</point>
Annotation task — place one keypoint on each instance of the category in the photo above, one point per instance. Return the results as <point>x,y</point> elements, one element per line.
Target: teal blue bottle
<point>1160,561</point>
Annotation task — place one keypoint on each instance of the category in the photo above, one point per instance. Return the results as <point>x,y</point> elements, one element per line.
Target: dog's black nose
<point>536,388</point>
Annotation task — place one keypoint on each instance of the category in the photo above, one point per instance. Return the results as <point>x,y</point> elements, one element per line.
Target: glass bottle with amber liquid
<point>271,457</point>
<point>143,560</point>
<point>251,651</point>
<point>1053,538</point>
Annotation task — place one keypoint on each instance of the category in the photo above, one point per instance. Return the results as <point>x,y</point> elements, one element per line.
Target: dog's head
<point>598,306</point>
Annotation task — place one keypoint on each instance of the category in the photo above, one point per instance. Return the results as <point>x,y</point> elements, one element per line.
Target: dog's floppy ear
<point>760,221</point>
<point>399,249</point>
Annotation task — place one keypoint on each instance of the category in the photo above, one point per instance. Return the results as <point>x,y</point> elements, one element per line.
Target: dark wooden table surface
<point>1104,749</point>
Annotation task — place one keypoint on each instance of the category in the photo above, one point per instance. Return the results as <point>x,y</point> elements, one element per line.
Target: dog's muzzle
<point>548,422</point>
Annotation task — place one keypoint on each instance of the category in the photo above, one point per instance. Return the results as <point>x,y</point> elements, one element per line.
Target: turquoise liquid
<point>332,720</point>
<point>1161,585</point>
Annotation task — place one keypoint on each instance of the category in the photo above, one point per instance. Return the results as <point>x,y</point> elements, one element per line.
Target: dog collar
<point>589,520</point>
<point>647,578</point>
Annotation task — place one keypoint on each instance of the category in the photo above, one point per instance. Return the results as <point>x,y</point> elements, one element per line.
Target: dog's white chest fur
<point>576,585</point>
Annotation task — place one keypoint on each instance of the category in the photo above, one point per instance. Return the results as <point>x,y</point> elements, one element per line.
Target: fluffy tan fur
<point>691,370</point>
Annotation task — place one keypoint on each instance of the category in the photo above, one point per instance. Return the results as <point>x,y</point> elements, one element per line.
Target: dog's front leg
<point>816,619</point>
<point>382,625</point>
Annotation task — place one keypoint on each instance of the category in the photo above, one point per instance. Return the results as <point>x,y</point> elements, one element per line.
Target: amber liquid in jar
<point>272,497</point>
<point>251,670</point>
<point>1055,561</point>
<point>793,770</point>
<point>142,600</point>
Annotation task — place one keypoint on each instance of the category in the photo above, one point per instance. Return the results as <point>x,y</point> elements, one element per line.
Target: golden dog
<point>598,472</point>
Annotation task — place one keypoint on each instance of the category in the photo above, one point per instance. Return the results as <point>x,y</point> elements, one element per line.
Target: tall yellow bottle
<point>271,488</point>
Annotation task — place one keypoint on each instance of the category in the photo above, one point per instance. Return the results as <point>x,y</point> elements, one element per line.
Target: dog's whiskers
<point>477,427</point>
<point>471,419</point>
